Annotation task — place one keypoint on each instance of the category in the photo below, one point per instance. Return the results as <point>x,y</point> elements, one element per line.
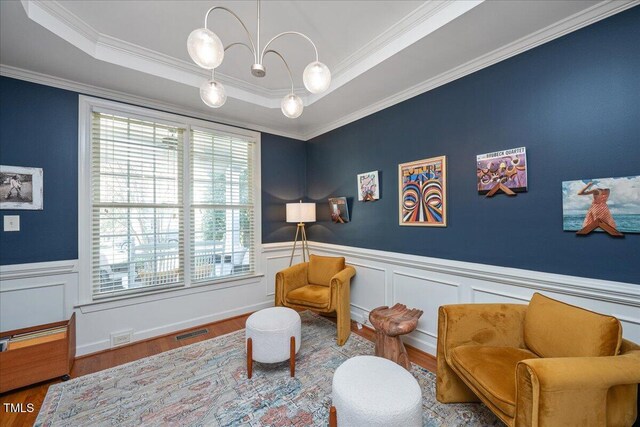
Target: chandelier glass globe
<point>292,106</point>
<point>316,77</point>
<point>205,48</point>
<point>212,93</point>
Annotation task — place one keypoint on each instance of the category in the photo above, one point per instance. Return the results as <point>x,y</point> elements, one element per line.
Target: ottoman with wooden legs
<point>272,336</point>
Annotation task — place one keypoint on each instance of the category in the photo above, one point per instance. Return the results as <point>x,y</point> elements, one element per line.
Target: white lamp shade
<point>301,212</point>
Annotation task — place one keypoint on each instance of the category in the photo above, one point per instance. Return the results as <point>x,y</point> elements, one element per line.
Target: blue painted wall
<point>284,175</point>
<point>39,128</point>
<point>574,103</point>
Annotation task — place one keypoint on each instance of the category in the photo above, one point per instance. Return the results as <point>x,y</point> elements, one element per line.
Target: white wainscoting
<point>47,292</point>
<point>37,293</point>
<point>32,294</point>
<point>385,278</point>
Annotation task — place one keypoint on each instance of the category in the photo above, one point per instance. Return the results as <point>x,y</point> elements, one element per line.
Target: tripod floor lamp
<point>301,213</point>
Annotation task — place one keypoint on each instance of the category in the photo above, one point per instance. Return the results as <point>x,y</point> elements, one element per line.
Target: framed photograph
<point>339,209</point>
<point>613,201</point>
<point>506,167</point>
<point>423,192</point>
<point>368,186</point>
<point>20,188</point>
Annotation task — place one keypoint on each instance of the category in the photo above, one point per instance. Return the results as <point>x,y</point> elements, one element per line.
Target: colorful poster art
<point>612,201</point>
<point>368,186</point>
<point>506,167</point>
<point>422,190</point>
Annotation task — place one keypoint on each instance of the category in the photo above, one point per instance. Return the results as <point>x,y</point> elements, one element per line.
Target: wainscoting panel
<point>46,292</point>
<point>38,293</point>
<point>32,294</point>
<point>427,283</point>
<point>367,288</point>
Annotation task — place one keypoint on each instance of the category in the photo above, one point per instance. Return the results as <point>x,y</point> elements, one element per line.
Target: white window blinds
<point>170,202</point>
<point>222,205</point>
<point>137,218</point>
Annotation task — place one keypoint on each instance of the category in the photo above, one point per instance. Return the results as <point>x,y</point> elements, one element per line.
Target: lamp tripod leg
<point>305,243</point>
<point>295,242</point>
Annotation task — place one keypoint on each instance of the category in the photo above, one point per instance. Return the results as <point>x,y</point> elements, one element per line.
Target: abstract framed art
<point>423,192</point>
<point>368,186</point>
<point>506,167</point>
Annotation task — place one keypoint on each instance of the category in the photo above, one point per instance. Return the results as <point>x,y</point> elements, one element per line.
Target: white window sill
<point>166,293</point>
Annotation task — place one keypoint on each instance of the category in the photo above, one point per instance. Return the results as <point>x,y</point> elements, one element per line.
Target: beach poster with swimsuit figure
<point>507,167</point>
<point>614,201</point>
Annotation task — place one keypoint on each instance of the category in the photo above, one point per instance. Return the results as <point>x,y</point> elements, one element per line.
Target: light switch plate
<point>12,223</point>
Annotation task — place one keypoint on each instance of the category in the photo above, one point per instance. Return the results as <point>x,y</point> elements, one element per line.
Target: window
<point>171,201</point>
<point>222,211</point>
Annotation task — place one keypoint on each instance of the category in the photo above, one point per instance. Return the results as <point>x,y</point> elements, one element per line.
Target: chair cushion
<point>310,295</point>
<point>491,371</point>
<point>555,329</point>
<point>323,268</point>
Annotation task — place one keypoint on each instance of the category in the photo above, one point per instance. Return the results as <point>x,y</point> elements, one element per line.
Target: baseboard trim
<point>170,329</point>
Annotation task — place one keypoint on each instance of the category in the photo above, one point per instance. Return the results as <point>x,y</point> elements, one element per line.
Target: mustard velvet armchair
<point>545,364</point>
<point>321,285</point>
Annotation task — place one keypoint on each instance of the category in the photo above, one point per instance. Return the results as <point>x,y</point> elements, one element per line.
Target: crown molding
<point>86,89</point>
<point>570,24</point>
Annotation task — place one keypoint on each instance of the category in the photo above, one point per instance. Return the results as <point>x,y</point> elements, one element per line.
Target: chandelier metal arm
<point>239,43</point>
<point>285,64</point>
<point>253,46</point>
<point>284,34</point>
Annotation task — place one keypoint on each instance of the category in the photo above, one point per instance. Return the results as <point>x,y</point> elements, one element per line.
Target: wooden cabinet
<point>40,360</point>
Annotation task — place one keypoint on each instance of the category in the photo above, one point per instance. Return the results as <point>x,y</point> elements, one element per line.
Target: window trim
<point>86,106</point>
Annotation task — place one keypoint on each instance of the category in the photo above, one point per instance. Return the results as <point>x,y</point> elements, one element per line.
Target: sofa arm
<point>574,391</point>
<point>289,279</point>
<point>480,324</point>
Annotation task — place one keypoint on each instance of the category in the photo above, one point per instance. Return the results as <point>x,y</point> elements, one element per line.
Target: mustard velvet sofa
<point>543,364</point>
<point>322,285</point>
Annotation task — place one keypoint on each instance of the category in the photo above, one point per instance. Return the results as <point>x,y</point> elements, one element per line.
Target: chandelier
<point>207,51</point>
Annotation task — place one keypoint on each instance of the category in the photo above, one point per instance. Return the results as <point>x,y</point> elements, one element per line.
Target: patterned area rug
<point>205,384</point>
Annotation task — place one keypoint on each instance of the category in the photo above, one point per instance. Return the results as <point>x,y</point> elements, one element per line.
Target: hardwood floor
<point>109,358</point>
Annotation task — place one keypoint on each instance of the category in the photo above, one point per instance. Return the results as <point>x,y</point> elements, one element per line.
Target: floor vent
<point>192,334</point>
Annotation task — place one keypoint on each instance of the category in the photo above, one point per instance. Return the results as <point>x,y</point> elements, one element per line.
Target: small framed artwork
<point>368,186</point>
<point>423,192</point>
<point>504,169</point>
<point>603,204</point>
<point>339,209</point>
<point>20,188</point>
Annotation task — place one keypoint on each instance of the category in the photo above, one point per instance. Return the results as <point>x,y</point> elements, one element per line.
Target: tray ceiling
<point>379,52</point>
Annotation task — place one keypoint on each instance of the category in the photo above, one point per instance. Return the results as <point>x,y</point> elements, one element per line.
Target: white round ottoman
<point>371,391</point>
<point>273,335</point>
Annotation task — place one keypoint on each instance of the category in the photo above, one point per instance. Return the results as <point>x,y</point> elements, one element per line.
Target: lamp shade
<point>301,212</point>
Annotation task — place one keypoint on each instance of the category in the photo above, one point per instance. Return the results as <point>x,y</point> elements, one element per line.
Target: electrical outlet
<point>121,338</point>
<point>365,318</point>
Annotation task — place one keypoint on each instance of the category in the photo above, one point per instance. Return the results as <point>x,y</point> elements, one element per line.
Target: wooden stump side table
<point>390,323</point>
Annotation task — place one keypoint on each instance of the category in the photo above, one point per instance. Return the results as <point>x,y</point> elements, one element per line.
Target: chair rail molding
<point>386,278</point>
